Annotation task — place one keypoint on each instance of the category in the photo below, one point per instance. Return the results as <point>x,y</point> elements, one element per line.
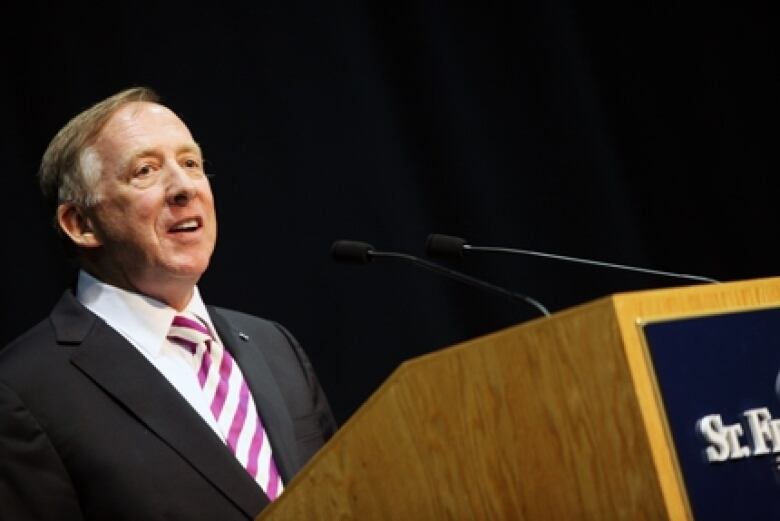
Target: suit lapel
<point>122,372</point>
<point>265,391</point>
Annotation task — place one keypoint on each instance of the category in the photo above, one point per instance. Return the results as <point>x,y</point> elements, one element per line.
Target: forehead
<point>142,125</point>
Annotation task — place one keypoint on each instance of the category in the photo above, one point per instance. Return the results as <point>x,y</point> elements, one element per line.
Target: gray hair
<point>70,168</point>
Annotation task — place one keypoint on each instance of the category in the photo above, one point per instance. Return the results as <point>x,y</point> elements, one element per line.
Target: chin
<point>187,270</point>
<point>190,272</point>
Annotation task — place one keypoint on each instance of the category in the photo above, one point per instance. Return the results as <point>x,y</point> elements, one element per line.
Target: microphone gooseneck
<point>448,246</point>
<point>362,253</point>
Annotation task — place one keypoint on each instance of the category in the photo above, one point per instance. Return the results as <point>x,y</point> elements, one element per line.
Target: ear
<point>77,226</point>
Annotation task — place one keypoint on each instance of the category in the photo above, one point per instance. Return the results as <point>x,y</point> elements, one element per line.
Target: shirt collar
<point>144,321</point>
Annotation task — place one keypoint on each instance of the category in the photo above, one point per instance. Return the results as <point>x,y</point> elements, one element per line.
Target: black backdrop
<point>641,135</point>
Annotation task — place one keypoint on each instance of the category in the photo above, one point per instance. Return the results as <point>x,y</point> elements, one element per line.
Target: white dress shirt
<point>145,323</point>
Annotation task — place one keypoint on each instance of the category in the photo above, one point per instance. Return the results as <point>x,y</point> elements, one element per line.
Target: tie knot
<point>188,331</point>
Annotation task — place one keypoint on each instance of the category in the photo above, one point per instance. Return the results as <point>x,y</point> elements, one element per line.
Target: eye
<point>143,171</point>
<point>191,163</point>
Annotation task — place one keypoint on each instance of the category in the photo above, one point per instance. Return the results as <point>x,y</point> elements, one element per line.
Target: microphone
<point>362,253</point>
<point>447,246</point>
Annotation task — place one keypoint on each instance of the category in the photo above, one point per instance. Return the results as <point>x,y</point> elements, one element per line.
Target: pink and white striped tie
<point>230,401</point>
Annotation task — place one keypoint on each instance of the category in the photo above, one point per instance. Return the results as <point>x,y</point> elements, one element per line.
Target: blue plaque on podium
<point>718,379</point>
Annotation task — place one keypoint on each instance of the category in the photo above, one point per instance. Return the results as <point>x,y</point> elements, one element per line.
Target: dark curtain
<point>638,134</point>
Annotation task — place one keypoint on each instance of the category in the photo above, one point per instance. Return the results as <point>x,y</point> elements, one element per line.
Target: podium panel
<point>718,378</point>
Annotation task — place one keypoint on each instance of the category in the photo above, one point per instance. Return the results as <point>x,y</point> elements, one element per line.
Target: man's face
<point>155,218</point>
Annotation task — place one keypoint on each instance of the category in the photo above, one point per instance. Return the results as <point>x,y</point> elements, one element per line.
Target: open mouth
<point>186,226</point>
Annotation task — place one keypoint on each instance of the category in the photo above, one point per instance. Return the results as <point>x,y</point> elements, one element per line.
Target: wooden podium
<point>559,418</point>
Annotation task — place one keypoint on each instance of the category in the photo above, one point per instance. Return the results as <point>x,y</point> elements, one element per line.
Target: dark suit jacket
<point>89,429</point>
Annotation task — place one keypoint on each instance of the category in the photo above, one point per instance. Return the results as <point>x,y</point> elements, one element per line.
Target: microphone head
<point>351,251</point>
<point>444,246</point>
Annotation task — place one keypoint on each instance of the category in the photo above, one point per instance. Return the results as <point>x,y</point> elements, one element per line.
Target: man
<point>134,400</point>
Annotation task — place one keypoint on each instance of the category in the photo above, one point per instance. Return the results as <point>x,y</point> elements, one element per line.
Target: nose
<point>181,187</point>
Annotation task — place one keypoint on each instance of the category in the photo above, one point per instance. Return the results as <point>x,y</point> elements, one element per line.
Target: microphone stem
<point>463,278</point>
<point>553,256</point>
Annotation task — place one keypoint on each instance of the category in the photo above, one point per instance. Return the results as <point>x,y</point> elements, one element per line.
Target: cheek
<point>207,198</point>
<point>146,207</point>
<point>134,214</point>
<point>207,201</point>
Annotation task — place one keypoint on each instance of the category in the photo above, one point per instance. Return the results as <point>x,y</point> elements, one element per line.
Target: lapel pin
<point>243,336</point>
